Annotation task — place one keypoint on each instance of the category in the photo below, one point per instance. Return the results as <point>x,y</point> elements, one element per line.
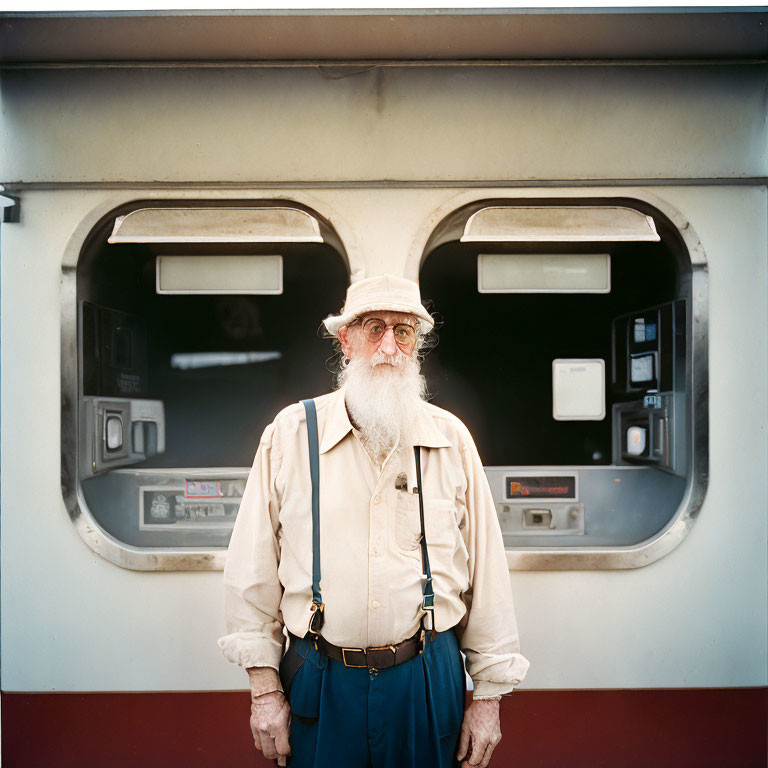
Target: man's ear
<point>344,339</point>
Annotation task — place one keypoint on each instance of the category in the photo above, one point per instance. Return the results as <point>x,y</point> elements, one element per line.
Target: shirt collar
<point>337,426</point>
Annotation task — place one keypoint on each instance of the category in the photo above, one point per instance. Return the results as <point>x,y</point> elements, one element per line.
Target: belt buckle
<point>344,657</point>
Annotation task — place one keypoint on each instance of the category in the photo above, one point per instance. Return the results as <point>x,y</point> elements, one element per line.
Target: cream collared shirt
<point>369,543</point>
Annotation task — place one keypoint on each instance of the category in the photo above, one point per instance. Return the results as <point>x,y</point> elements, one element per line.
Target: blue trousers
<point>407,716</point>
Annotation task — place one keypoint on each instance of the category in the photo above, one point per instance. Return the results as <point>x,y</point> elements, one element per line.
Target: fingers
<point>486,752</point>
<point>274,746</point>
<point>257,741</point>
<point>282,742</point>
<point>475,758</point>
<point>268,746</point>
<point>463,743</point>
<point>487,755</point>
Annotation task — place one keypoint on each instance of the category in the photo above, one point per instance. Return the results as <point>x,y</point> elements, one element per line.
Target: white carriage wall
<point>339,124</point>
<point>72,621</point>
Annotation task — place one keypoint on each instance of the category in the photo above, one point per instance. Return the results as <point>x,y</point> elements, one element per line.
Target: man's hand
<point>270,725</point>
<point>480,733</point>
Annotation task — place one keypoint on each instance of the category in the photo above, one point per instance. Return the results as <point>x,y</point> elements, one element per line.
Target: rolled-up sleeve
<point>252,590</point>
<point>488,632</point>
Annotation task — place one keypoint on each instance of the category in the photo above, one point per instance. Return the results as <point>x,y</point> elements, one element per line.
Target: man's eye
<point>375,327</point>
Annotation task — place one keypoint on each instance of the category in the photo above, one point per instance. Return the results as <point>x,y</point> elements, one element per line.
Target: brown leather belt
<point>380,657</point>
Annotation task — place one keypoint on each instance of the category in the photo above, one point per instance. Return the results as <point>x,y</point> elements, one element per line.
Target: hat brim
<point>334,322</point>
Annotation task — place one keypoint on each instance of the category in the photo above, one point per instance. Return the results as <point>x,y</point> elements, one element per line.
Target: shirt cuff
<point>484,689</point>
<point>251,649</point>
<point>495,674</point>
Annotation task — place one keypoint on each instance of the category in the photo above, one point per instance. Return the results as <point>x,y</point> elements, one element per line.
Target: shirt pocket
<point>439,521</point>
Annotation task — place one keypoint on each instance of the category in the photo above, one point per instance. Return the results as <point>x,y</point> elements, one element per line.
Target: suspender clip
<point>429,611</point>
<point>316,621</point>
<point>423,630</point>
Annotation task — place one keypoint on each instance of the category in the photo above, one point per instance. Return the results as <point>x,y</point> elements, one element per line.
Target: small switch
<point>537,518</point>
<point>636,439</point>
<point>114,433</point>
<point>138,437</point>
<point>150,438</point>
<point>144,437</point>
<point>658,436</point>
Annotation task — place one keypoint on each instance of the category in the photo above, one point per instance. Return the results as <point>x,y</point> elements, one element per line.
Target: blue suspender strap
<point>318,607</point>
<point>428,601</point>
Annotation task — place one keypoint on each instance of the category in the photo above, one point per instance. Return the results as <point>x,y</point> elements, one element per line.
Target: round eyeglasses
<point>375,328</point>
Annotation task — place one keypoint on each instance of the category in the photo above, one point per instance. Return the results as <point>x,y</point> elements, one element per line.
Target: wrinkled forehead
<point>389,317</point>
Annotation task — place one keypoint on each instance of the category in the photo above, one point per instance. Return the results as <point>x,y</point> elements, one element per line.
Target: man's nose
<point>387,345</point>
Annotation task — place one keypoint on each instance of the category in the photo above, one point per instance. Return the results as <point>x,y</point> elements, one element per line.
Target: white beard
<point>383,396</point>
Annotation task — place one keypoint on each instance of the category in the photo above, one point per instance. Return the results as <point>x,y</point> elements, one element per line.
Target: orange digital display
<point>549,487</point>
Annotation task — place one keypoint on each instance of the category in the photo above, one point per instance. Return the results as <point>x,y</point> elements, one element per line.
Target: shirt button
<point>376,499</point>
<point>375,604</point>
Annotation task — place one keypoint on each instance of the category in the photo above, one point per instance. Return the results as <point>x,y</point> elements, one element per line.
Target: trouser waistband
<point>375,657</point>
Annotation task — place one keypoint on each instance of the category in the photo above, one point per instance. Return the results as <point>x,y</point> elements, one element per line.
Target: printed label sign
<point>552,487</point>
<point>202,489</point>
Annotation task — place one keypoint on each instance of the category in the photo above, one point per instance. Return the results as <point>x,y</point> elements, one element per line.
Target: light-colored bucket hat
<point>382,292</point>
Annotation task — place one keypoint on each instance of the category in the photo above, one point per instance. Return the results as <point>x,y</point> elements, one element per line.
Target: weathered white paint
<point>698,617</point>
<point>430,124</point>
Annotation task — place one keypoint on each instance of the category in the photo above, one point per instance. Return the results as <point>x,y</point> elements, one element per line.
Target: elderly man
<point>368,531</point>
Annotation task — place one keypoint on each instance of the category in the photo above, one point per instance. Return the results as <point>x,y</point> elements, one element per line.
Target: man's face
<point>380,334</point>
<point>383,388</point>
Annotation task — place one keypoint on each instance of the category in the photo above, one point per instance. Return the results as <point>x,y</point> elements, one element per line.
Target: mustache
<point>379,358</point>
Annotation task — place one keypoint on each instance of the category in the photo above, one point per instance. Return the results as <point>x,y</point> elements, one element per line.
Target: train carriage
<point>582,198</point>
